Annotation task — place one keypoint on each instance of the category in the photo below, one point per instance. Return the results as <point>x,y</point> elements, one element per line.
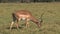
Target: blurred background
<point>27,1</point>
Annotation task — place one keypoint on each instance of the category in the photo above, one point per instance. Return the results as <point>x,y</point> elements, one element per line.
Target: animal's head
<point>39,23</point>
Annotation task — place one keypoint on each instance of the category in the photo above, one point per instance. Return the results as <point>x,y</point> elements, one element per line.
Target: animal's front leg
<point>27,24</point>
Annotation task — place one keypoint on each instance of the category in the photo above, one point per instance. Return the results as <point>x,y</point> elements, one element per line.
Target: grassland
<point>51,18</point>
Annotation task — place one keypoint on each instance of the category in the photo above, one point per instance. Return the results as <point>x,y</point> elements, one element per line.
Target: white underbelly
<point>23,18</point>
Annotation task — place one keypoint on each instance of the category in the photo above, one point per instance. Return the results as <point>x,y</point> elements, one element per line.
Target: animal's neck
<point>34,19</point>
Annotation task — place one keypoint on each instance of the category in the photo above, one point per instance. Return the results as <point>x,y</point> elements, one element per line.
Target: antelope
<point>24,15</point>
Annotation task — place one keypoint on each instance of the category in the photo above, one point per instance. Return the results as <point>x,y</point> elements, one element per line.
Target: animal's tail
<point>13,16</point>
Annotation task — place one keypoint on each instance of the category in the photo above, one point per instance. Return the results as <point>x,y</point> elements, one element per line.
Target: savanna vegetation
<point>51,18</point>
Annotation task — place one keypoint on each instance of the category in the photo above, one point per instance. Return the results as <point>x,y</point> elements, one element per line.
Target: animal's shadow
<point>14,27</point>
<point>20,27</point>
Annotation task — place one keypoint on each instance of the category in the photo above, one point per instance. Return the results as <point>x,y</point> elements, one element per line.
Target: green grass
<point>51,18</point>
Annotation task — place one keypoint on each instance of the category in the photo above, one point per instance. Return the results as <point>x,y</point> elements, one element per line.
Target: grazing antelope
<point>24,15</point>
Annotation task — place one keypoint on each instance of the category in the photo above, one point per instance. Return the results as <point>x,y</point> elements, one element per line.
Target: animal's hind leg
<point>14,19</point>
<point>17,23</point>
<point>11,25</point>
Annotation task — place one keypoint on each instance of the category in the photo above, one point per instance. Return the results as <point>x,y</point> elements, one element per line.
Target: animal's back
<point>24,14</point>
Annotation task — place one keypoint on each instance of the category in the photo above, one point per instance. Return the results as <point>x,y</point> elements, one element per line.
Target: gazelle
<point>24,15</point>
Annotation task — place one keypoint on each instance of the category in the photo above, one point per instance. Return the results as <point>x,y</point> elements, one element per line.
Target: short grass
<point>51,18</point>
